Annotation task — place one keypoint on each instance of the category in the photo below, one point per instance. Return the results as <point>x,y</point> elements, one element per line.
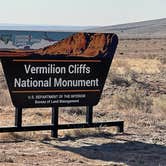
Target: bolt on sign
<point>44,69</point>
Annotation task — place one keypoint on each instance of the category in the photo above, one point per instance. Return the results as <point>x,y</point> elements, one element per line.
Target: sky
<point>80,12</point>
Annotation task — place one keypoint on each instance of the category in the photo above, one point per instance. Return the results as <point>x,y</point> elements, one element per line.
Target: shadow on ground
<point>133,153</point>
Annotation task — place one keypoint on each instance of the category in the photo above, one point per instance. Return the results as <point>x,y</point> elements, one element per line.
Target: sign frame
<point>19,68</point>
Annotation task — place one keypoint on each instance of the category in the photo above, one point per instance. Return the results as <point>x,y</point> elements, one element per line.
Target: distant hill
<point>144,29</point>
<point>23,27</point>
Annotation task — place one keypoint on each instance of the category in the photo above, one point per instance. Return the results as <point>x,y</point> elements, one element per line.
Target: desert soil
<point>143,141</point>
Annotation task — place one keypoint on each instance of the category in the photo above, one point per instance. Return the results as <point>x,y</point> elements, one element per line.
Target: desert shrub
<point>3,85</point>
<point>160,104</point>
<point>163,59</point>
<point>133,99</point>
<point>125,79</point>
<point>131,75</point>
<point>78,111</point>
<point>5,98</point>
<point>5,158</point>
<point>119,80</point>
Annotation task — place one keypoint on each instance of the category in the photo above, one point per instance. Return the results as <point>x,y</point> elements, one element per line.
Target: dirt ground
<point>142,143</point>
<point>140,69</point>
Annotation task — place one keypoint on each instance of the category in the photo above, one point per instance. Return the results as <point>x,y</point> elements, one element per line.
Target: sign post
<point>64,69</point>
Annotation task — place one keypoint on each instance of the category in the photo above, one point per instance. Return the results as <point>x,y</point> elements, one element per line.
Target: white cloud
<point>8,45</point>
<point>43,43</point>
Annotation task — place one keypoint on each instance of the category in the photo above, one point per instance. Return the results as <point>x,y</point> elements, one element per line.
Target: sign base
<point>54,127</point>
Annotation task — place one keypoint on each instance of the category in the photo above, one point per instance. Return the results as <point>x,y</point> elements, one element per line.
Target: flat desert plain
<point>135,91</point>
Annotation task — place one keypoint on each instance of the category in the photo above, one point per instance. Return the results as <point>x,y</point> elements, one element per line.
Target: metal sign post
<point>54,126</point>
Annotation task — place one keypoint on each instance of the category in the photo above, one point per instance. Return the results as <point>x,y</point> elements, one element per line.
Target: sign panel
<point>44,69</point>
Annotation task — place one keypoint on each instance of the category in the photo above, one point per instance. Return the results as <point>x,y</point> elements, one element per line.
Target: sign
<point>44,69</point>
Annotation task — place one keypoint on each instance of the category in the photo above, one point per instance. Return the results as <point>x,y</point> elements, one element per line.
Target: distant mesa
<point>137,30</point>
<point>79,44</point>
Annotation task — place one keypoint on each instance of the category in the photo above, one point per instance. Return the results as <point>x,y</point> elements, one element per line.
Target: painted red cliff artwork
<point>79,44</point>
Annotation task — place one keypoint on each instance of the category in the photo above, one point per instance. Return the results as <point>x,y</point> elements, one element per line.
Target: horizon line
<point>75,26</point>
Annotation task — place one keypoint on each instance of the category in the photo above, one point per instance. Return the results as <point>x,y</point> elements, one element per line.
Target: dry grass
<point>133,99</point>
<point>160,104</point>
<point>82,133</point>
<point>134,92</point>
<point>5,99</point>
<point>4,158</point>
<point>139,65</point>
<point>148,49</point>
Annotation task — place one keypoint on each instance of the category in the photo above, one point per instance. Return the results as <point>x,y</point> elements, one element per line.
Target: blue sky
<point>80,12</point>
